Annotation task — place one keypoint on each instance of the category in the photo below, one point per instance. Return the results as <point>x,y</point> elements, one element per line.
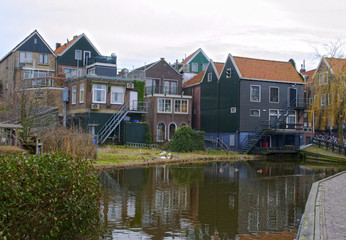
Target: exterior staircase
<point>112,123</point>
<point>259,131</point>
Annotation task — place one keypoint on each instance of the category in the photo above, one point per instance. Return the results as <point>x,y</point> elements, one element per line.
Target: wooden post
<point>16,137</point>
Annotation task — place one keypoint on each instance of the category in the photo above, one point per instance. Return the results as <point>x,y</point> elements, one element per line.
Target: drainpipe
<point>12,94</point>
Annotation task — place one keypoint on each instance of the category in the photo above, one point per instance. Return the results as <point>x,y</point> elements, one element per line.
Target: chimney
<point>57,45</point>
<point>176,64</point>
<point>302,68</point>
<point>75,36</point>
<point>162,59</point>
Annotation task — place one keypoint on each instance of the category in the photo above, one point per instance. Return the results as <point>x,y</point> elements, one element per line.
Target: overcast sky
<point>143,31</point>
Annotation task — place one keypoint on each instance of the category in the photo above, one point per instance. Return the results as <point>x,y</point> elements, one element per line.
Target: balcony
<point>43,82</point>
<point>102,59</point>
<point>158,89</point>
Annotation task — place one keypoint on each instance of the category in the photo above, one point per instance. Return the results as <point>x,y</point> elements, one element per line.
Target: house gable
<point>198,57</point>
<point>67,57</point>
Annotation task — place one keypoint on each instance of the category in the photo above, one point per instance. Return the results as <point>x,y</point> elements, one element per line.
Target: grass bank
<point>320,154</point>
<point>122,157</point>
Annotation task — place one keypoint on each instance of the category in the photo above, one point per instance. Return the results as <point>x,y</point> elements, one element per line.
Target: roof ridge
<point>260,59</point>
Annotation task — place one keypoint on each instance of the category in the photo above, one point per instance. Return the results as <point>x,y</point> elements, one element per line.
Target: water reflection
<point>224,200</point>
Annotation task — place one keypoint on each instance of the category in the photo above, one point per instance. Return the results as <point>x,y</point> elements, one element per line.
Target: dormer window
<point>194,67</point>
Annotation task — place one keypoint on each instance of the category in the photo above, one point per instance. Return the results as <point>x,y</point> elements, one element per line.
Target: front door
<point>292,97</point>
<point>133,100</point>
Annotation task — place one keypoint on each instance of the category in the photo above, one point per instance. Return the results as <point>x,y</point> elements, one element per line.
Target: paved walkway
<point>325,211</point>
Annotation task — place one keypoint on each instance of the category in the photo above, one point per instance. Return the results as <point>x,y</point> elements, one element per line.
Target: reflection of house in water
<point>149,197</point>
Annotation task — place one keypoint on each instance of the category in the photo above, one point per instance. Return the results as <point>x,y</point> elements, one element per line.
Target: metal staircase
<point>223,146</point>
<point>259,131</point>
<point>112,123</point>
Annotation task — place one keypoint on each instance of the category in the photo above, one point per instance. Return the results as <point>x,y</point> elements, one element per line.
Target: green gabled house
<point>74,55</point>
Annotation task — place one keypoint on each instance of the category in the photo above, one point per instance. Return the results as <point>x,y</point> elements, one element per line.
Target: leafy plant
<point>51,196</point>
<point>186,139</point>
<point>140,87</point>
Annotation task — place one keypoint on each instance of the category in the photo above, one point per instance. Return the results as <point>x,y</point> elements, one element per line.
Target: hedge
<point>50,196</point>
<point>186,139</point>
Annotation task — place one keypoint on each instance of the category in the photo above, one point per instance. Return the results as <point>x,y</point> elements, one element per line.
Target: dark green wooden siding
<point>200,59</point>
<point>68,58</point>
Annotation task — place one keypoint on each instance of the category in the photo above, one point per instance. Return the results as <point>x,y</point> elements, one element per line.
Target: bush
<point>50,196</point>
<point>186,139</point>
<point>68,141</point>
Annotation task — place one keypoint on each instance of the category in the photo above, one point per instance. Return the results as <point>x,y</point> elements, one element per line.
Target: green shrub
<point>186,139</point>
<point>50,196</point>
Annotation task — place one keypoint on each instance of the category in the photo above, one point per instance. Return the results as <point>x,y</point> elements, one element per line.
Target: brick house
<point>168,107</point>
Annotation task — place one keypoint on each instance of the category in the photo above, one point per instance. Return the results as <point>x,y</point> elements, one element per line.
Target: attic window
<point>210,77</point>
<point>35,40</point>
<point>194,67</point>
<point>78,55</point>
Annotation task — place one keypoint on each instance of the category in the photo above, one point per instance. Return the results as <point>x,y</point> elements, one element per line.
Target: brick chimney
<point>57,45</point>
<point>302,67</point>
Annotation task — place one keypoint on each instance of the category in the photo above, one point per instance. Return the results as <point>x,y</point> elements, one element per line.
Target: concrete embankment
<point>325,211</point>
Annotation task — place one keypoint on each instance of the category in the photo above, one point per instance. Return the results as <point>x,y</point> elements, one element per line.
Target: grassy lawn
<point>322,151</point>
<point>121,155</point>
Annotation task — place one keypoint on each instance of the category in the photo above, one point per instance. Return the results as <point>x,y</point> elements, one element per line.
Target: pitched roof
<point>69,44</point>
<point>26,39</point>
<point>195,80</point>
<point>261,69</point>
<point>63,47</point>
<point>186,60</point>
<point>219,67</point>
<point>309,75</point>
<point>338,65</point>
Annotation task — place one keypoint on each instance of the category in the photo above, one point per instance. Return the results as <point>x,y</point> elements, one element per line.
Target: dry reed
<point>68,141</point>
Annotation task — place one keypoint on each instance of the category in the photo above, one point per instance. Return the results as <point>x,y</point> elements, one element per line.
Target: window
<point>255,93</point>
<point>231,140</point>
<point>254,112</point>
<point>172,128</point>
<point>210,77</point>
<point>204,66</point>
<point>291,120</point>
<point>323,100</point>
<point>233,109</point>
<point>170,87</point>
<point>323,78</point>
<point>99,93</point>
<point>74,94</point>
<point>92,71</point>
<point>180,106</point>
<point>228,72</point>
<point>161,130</point>
<point>81,93</point>
<point>194,67</point>
<point>78,55</point>
<point>25,57</point>
<point>87,55</point>
<point>117,95</point>
<point>43,58</point>
<point>152,86</point>
<point>27,74</point>
<point>164,105</point>
<point>273,94</point>
<point>273,115</point>
<point>70,72</point>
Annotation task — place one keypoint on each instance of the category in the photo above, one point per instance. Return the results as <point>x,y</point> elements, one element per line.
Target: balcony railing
<point>102,59</point>
<point>43,82</point>
<point>138,106</point>
<point>159,90</point>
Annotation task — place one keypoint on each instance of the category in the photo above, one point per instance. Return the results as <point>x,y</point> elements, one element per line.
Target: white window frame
<point>259,113</point>
<point>157,133</point>
<point>164,105</point>
<point>194,67</point>
<point>84,59</point>
<point>78,54</point>
<point>233,110</point>
<point>180,106</point>
<point>270,94</point>
<point>323,100</point>
<point>230,72</point>
<point>74,95</point>
<point>119,90</point>
<point>169,130</point>
<point>323,78</point>
<point>295,119</point>
<point>81,93</point>
<point>45,58</point>
<point>259,97</point>
<point>204,66</point>
<point>27,57</point>
<point>210,77</point>
<point>103,90</point>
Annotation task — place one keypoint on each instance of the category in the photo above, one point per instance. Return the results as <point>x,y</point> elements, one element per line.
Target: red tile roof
<point>190,56</point>
<point>219,67</point>
<point>267,70</point>
<point>64,46</point>
<point>338,65</point>
<point>309,74</point>
<point>195,80</point>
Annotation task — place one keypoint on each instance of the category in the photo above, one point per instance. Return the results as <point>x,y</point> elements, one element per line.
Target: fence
<point>329,145</point>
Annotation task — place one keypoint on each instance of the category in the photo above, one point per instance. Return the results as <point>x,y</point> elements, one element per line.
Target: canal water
<point>218,200</point>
